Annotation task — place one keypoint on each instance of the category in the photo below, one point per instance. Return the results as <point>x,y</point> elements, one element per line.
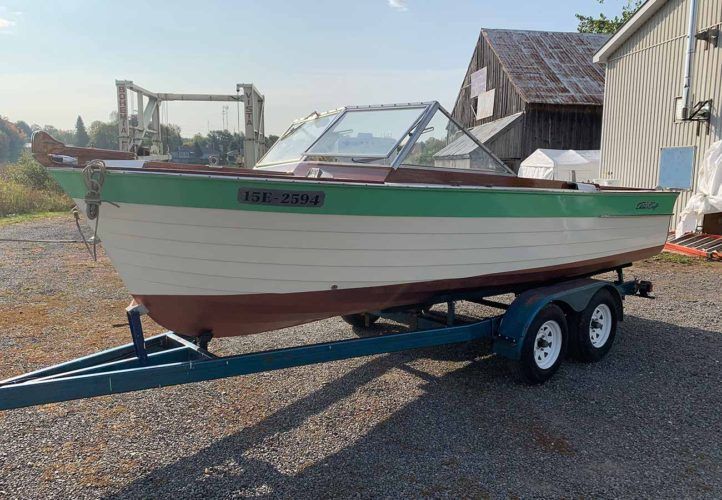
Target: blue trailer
<point>536,331</point>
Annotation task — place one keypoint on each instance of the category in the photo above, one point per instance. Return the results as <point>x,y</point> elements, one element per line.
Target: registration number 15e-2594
<point>281,197</point>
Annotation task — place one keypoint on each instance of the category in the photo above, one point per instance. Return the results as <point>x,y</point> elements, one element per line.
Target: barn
<point>663,95</point>
<point>525,90</point>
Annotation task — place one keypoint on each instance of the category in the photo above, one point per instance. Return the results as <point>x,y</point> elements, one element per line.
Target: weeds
<point>27,187</point>
<point>17,219</point>
<point>676,258</point>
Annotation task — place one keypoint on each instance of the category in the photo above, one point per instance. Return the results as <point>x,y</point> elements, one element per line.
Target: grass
<point>27,188</point>
<point>17,199</point>
<point>16,219</point>
<point>675,258</point>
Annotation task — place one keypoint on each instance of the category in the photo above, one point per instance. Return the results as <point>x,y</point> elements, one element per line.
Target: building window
<point>676,166</point>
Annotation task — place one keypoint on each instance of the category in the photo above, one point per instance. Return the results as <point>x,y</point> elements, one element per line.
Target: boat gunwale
<point>368,183</point>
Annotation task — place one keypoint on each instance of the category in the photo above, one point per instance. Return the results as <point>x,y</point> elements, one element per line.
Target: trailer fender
<point>573,296</point>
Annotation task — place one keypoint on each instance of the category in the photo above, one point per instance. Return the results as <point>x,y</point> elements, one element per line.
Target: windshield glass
<point>443,144</point>
<point>370,133</point>
<point>297,139</point>
<point>418,134</point>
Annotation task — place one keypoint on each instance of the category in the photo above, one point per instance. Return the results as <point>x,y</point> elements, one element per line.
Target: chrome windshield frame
<point>508,170</point>
<point>413,133</point>
<point>420,127</point>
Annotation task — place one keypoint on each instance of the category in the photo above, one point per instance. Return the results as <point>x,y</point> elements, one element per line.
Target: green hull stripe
<point>349,199</point>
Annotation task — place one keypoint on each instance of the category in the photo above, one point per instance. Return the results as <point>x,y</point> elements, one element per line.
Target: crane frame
<point>130,136</point>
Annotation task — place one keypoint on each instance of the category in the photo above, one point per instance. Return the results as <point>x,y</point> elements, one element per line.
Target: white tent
<point>562,165</point>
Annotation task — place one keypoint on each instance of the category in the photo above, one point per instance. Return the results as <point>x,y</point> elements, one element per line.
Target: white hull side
<point>160,250</point>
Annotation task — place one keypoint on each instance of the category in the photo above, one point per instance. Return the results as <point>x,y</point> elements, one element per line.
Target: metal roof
<point>550,67</point>
<point>489,130</point>
<point>484,133</point>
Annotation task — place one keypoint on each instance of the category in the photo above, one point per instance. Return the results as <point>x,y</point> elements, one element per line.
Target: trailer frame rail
<point>170,359</point>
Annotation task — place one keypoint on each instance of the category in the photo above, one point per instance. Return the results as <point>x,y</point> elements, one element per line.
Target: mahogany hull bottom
<point>233,315</point>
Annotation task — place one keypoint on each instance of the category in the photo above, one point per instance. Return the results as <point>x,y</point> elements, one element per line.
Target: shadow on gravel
<point>642,423</point>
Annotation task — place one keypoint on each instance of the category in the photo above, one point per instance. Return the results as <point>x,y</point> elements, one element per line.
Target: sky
<point>60,59</point>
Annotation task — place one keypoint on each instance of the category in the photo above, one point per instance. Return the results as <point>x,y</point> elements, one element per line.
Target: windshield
<point>294,143</point>
<point>415,135</point>
<point>443,144</point>
<point>369,133</point>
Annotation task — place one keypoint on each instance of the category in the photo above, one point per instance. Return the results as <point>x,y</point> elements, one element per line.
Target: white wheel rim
<point>547,344</point>
<point>600,326</point>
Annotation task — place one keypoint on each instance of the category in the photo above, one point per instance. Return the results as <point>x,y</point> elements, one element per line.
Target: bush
<point>29,173</point>
<point>19,199</point>
<point>26,187</point>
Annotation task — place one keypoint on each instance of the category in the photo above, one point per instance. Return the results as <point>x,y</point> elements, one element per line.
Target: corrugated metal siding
<point>643,78</point>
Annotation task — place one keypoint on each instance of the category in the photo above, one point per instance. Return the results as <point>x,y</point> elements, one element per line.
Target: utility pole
<point>224,116</point>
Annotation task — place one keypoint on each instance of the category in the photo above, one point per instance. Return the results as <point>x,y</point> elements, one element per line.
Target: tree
<point>64,136</point>
<point>171,136</point>
<point>81,135</point>
<point>222,142</point>
<point>12,140</point>
<point>424,151</point>
<point>271,140</point>
<point>4,147</point>
<point>24,128</point>
<point>199,144</point>
<point>603,24</point>
<point>104,135</point>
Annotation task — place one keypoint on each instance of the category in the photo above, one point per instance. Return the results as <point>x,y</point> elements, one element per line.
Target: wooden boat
<point>355,210</point>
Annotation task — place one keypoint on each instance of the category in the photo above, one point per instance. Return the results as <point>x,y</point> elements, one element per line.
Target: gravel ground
<point>442,422</point>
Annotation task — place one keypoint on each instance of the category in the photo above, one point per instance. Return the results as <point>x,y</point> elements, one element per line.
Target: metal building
<point>526,90</point>
<point>663,95</point>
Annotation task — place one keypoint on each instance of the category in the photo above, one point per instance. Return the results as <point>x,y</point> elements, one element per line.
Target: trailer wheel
<point>597,327</point>
<point>545,344</point>
<point>360,320</point>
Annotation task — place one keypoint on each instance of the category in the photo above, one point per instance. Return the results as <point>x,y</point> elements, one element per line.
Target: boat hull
<point>231,315</point>
<point>236,273</point>
<point>200,260</point>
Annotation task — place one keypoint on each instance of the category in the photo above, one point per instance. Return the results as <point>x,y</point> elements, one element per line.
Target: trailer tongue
<point>535,332</point>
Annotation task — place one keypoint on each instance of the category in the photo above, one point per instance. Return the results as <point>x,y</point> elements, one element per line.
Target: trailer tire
<point>596,327</point>
<point>359,320</point>
<point>544,347</point>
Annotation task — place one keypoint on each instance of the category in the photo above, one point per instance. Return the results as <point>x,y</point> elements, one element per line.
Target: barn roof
<point>550,67</point>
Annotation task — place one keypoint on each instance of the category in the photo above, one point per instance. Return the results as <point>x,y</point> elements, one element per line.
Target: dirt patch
<point>551,442</point>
